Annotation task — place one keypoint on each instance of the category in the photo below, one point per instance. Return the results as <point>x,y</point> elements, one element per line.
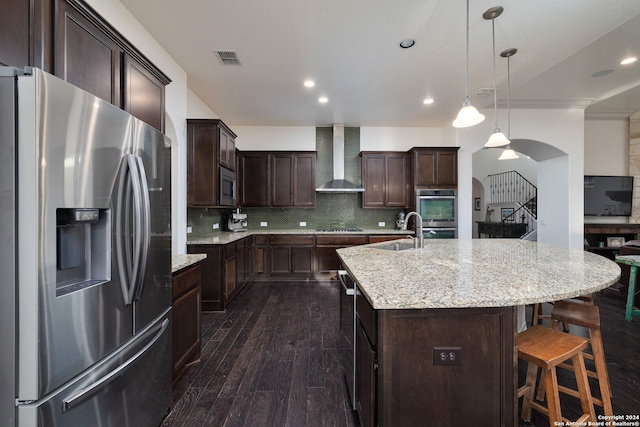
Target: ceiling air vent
<point>228,57</point>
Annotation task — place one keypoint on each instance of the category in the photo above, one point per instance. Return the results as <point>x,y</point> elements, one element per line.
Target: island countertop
<point>461,273</point>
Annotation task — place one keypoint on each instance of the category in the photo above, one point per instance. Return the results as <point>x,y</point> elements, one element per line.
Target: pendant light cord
<point>466,73</point>
<point>495,84</point>
<point>509,98</point>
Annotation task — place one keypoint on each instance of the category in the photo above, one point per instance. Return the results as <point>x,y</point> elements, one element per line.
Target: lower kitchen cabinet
<point>456,366</point>
<point>291,254</point>
<point>327,259</point>
<point>186,326</point>
<point>221,280</point>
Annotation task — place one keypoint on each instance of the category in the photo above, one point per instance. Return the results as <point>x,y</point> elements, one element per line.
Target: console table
<point>501,229</point>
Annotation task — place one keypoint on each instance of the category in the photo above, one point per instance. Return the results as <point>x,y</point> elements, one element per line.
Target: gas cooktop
<point>346,230</point>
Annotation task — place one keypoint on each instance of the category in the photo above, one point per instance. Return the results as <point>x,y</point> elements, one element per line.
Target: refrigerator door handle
<point>86,393</point>
<point>144,232</point>
<point>128,227</point>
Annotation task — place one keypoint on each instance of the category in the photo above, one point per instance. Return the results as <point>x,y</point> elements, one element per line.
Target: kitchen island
<point>436,327</point>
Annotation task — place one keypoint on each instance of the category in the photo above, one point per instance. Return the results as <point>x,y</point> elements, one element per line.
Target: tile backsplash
<point>333,210</point>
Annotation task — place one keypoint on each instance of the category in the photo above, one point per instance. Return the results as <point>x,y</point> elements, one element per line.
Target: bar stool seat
<point>586,316</point>
<point>546,348</point>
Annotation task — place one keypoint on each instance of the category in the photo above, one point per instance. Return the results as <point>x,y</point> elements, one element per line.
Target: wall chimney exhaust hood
<point>338,184</point>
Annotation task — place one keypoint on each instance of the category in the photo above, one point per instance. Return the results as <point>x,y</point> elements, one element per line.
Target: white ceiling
<point>351,49</point>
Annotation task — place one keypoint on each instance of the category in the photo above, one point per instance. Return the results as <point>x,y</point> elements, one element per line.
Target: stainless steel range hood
<point>338,184</point>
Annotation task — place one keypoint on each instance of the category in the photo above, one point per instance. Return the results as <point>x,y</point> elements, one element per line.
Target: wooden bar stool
<point>587,316</point>
<point>546,348</point>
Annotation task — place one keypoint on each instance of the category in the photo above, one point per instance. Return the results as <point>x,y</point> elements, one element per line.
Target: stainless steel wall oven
<point>439,211</point>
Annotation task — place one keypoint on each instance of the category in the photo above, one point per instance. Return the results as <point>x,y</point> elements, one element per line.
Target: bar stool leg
<point>528,389</point>
<point>631,292</point>
<point>586,401</point>
<point>553,397</point>
<point>601,370</point>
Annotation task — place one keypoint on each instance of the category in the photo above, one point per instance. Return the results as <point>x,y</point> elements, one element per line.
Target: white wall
<point>606,146</point>
<point>275,138</point>
<point>400,139</point>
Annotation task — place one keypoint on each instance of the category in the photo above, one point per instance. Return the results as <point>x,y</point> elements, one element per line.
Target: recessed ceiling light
<point>323,99</point>
<point>629,60</point>
<point>428,101</point>
<point>407,43</point>
<point>309,83</point>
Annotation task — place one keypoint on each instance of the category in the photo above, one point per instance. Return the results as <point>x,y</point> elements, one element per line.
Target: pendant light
<point>497,138</point>
<point>508,153</point>
<point>468,115</point>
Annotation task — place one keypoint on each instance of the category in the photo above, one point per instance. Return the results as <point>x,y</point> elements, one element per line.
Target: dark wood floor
<point>272,360</point>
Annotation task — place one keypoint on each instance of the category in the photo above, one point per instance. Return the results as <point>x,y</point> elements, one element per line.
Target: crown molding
<point>607,115</point>
<point>547,103</point>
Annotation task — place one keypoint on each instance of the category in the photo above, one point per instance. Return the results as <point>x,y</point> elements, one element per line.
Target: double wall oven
<point>438,209</point>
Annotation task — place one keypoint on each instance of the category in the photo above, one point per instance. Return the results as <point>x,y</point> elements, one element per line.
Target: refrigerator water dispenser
<point>83,245</point>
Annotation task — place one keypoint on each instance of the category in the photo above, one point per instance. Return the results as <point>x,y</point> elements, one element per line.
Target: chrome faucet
<point>419,236</point>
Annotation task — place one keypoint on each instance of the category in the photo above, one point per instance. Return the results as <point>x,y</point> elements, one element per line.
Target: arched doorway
<point>544,165</point>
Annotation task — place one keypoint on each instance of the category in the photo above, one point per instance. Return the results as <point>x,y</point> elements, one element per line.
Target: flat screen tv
<point>607,195</point>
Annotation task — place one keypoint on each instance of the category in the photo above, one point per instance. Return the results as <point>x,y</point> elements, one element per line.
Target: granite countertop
<point>178,262</point>
<point>460,273</point>
<point>225,237</point>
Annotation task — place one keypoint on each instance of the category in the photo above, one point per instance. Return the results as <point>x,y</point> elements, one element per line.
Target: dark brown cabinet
<point>208,141</point>
<point>278,179</point>
<point>327,260</point>
<point>403,379</point>
<point>186,325</point>
<point>143,93</point>
<point>69,39</point>
<point>385,178</point>
<point>85,54</point>
<point>254,179</point>
<point>224,272</point>
<point>435,167</point>
<point>261,255</point>
<point>227,148</point>
<point>291,254</point>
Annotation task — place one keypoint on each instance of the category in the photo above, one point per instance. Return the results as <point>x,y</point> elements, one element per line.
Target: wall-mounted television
<point>607,195</point>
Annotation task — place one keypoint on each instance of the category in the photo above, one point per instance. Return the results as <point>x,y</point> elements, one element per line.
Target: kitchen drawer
<point>367,316</point>
<point>185,280</point>
<point>341,240</point>
<point>261,239</point>
<point>291,240</point>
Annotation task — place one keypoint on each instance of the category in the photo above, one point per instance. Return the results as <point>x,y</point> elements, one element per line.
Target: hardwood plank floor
<point>272,360</point>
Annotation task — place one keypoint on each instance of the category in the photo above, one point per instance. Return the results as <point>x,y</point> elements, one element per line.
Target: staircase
<point>511,188</point>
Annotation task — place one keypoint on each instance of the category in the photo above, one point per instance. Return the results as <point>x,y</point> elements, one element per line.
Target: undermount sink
<point>396,246</point>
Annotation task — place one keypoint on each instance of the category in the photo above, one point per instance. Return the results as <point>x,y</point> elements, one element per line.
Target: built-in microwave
<point>438,208</point>
<point>227,187</point>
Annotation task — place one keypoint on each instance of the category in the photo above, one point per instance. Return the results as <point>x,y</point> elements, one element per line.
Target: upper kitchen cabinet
<point>282,179</point>
<point>254,179</point>
<point>208,142</point>
<point>227,147</point>
<point>435,167</point>
<point>86,56</point>
<point>69,39</point>
<point>143,93</point>
<point>22,24</point>
<point>293,179</point>
<point>385,178</point>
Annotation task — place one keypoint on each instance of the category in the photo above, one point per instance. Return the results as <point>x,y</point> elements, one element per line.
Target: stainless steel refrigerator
<point>85,259</point>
